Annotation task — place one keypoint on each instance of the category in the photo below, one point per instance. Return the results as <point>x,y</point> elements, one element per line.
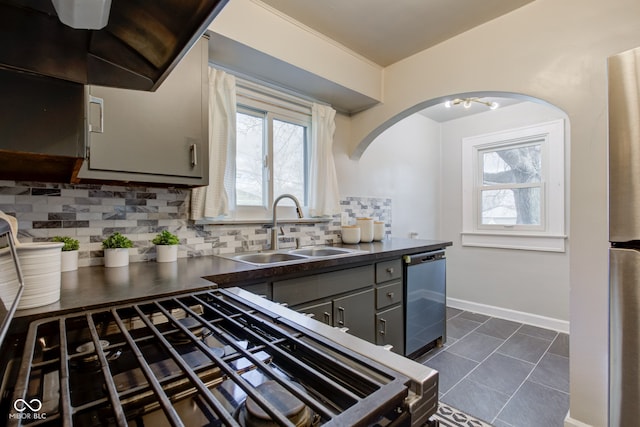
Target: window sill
<point>263,221</point>
<point>521,241</point>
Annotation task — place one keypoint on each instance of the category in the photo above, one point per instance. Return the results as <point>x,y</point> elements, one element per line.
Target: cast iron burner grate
<point>195,359</point>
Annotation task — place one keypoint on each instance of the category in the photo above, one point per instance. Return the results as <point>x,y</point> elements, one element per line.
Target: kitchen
<point>559,59</point>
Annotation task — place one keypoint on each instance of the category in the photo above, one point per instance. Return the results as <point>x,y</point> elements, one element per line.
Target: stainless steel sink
<point>267,257</point>
<point>292,255</point>
<point>322,251</point>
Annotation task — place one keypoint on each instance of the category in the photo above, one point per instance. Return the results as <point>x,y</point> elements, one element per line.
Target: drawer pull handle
<point>390,270</point>
<point>383,323</point>
<point>390,295</point>
<point>341,316</point>
<point>327,318</point>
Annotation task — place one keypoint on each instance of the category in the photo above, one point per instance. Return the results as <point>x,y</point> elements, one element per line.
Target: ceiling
<point>386,31</point>
<point>382,31</point>
<point>441,114</point>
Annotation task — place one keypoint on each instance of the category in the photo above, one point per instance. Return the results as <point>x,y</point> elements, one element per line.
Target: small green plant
<point>165,238</point>
<point>116,240</point>
<point>70,244</point>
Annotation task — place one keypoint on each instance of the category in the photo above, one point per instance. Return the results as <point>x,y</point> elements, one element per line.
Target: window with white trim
<point>272,150</point>
<point>513,188</point>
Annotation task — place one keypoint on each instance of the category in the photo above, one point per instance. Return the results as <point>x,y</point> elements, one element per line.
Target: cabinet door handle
<point>390,270</point>
<point>194,154</point>
<point>383,323</point>
<point>327,317</point>
<point>341,316</point>
<point>390,295</point>
<point>100,103</point>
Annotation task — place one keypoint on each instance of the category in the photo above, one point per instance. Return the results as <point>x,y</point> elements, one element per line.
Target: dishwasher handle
<point>423,257</point>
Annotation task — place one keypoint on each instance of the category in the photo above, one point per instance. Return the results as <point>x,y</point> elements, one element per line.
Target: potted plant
<point>166,246</point>
<point>69,252</point>
<point>116,250</point>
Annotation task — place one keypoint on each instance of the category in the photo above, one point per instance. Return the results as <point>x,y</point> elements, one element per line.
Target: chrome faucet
<point>274,225</point>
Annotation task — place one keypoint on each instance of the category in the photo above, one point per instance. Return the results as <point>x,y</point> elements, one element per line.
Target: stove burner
<point>252,415</point>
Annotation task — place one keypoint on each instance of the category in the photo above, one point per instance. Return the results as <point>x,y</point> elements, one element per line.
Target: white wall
<point>403,163</point>
<point>556,51</point>
<point>549,49</point>
<point>509,279</point>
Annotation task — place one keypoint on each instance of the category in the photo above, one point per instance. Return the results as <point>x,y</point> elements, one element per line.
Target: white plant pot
<point>166,253</point>
<point>69,261</point>
<point>118,257</point>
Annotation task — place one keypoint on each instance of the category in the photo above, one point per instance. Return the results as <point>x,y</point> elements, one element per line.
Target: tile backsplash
<point>91,212</point>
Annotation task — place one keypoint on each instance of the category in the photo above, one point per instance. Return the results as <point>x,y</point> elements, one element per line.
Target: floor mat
<point>452,417</point>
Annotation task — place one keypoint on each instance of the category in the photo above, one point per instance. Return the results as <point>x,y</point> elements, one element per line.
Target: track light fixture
<point>467,102</point>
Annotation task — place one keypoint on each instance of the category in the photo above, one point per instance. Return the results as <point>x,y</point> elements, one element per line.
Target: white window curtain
<point>324,196</point>
<point>218,198</point>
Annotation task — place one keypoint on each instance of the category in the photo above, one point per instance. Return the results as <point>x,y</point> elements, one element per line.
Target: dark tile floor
<point>506,373</point>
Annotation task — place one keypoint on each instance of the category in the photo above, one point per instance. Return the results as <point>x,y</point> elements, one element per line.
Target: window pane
<point>511,206</point>
<point>289,160</point>
<point>249,158</point>
<point>517,165</point>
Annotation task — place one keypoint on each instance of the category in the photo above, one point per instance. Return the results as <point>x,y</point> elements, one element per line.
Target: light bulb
<point>447,104</point>
<point>467,103</point>
<point>494,105</point>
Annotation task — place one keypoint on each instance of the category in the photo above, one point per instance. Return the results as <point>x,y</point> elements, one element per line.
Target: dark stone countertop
<point>93,287</point>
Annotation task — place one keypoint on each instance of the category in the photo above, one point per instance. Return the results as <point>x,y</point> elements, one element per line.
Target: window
<point>513,188</point>
<point>272,146</point>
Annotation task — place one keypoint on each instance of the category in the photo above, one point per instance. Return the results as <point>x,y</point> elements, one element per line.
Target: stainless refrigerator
<point>624,235</point>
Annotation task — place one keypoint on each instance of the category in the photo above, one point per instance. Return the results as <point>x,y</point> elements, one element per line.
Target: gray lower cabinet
<point>367,300</point>
<point>155,137</point>
<point>322,311</point>
<point>354,312</point>
<point>390,328</point>
<point>389,317</point>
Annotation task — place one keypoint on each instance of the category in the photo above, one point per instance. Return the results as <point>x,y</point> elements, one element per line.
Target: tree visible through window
<point>511,189</point>
<point>271,157</point>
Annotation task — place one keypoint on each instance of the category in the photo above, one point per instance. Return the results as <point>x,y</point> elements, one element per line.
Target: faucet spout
<point>274,224</point>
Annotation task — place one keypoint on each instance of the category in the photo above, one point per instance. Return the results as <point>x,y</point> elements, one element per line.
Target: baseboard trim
<point>570,422</point>
<point>513,315</point>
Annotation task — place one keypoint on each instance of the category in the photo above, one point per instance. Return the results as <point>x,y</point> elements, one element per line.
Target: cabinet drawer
<point>388,295</point>
<point>388,270</point>
<point>318,286</point>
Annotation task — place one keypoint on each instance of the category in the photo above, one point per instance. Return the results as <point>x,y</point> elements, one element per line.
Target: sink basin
<point>321,251</point>
<point>267,257</point>
<point>292,255</point>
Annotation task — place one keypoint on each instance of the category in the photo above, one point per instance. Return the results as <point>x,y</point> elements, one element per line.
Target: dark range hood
<point>141,44</point>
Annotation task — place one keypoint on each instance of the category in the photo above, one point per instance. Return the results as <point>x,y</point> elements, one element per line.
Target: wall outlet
<point>413,235</point>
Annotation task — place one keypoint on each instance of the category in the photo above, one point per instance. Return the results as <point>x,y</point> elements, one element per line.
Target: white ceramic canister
<point>378,230</point>
<point>350,234</point>
<point>366,229</point>
<point>41,264</point>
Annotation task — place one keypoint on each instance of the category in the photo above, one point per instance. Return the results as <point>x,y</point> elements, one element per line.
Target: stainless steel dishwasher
<point>425,302</point>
